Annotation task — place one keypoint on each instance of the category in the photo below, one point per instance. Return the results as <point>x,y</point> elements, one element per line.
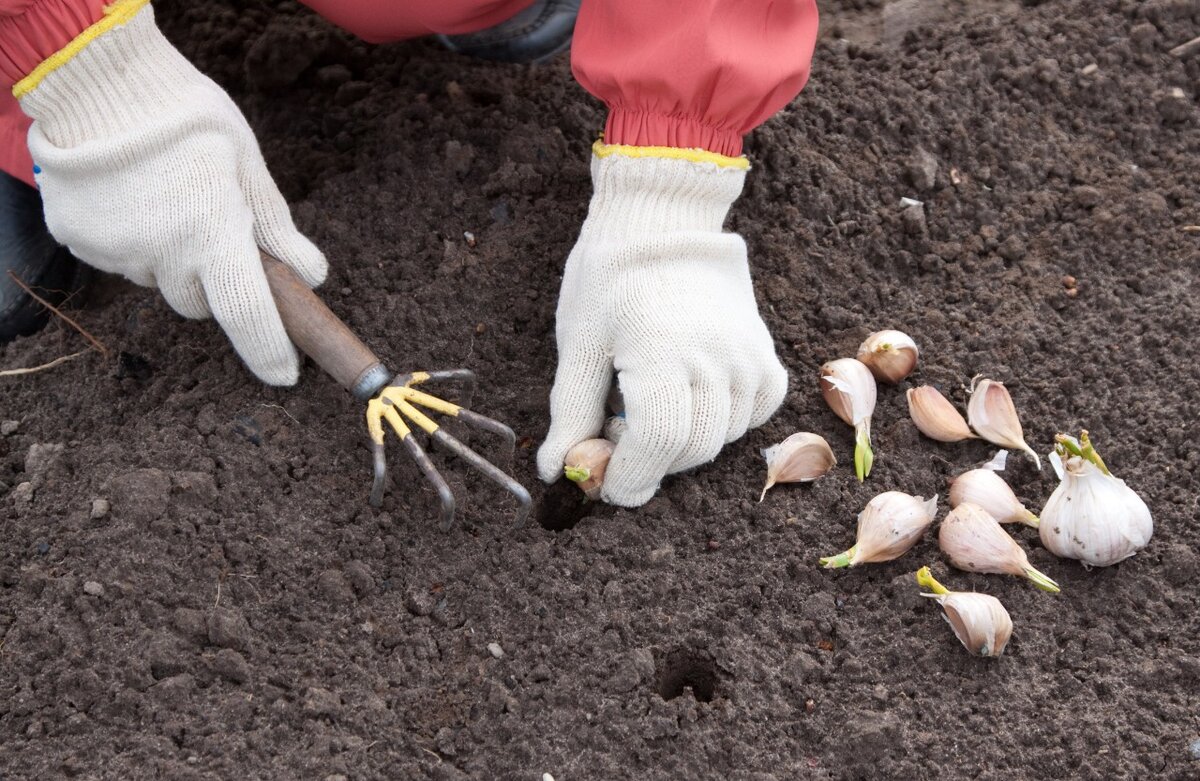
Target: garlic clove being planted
<point>935,416</point>
<point>1092,516</point>
<point>987,489</point>
<point>586,464</point>
<point>889,525</point>
<point>890,355</point>
<point>801,458</point>
<point>993,415</point>
<point>849,390</point>
<point>976,542</point>
<point>979,621</point>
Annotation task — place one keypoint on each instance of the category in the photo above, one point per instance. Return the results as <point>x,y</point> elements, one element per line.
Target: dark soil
<point>240,612</point>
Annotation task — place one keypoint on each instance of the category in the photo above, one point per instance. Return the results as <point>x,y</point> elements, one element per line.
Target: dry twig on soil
<point>43,367</point>
<point>95,342</point>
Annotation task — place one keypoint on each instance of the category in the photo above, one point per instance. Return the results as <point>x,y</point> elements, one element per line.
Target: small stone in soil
<point>9,427</point>
<point>92,588</point>
<point>1194,749</point>
<point>43,547</point>
<point>100,508</point>
<point>495,650</point>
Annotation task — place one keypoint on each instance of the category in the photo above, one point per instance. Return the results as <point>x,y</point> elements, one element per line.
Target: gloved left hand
<point>657,292</point>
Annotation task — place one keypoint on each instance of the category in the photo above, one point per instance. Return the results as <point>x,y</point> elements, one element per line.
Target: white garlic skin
<point>985,488</point>
<point>974,541</point>
<point>980,621</point>
<point>1094,517</point>
<point>993,415</point>
<point>801,458</point>
<point>586,463</point>
<point>849,389</point>
<point>935,417</point>
<point>890,355</point>
<point>890,524</point>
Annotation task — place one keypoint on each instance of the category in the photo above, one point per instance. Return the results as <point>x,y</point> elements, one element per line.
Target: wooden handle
<point>321,334</point>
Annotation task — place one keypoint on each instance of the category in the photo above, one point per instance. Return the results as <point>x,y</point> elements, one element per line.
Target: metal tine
<point>467,416</point>
<point>434,476</point>
<point>465,376</point>
<point>490,470</point>
<point>379,483</point>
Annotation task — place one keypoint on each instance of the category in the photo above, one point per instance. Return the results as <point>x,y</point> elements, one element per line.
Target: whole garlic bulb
<point>1092,516</point>
<point>888,526</point>
<point>890,355</point>
<point>979,621</point>
<point>988,490</point>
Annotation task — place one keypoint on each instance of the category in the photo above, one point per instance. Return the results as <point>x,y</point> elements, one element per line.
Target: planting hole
<point>687,668</point>
<point>562,506</point>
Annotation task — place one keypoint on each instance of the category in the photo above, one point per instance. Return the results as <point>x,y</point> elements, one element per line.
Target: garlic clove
<point>801,458</point>
<point>888,526</point>
<point>985,488</point>
<point>974,541</point>
<point>993,416</point>
<point>935,416</point>
<point>849,389</point>
<point>890,355</point>
<point>586,464</point>
<point>1092,516</point>
<point>979,621</point>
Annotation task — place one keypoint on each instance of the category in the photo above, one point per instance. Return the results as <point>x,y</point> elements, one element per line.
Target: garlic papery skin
<point>935,416</point>
<point>987,489</point>
<point>801,458</point>
<point>890,355</point>
<point>1092,516</point>
<point>976,542</point>
<point>979,621</point>
<point>993,415</point>
<point>849,390</point>
<point>586,463</point>
<point>888,526</point>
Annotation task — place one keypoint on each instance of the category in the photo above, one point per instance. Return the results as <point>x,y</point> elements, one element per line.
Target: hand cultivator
<point>321,335</point>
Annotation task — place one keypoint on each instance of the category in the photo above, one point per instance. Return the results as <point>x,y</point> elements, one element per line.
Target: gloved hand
<point>149,170</point>
<point>657,292</point>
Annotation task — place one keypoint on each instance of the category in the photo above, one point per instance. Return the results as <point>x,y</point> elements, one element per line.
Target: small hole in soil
<point>686,668</point>
<point>562,506</point>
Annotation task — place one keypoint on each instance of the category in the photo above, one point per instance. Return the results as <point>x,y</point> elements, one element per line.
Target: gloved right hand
<point>147,169</point>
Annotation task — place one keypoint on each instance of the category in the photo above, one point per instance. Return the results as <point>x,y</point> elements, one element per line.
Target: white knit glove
<point>655,290</point>
<point>149,170</point>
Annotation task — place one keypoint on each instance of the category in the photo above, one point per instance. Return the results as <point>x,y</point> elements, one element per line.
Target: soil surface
<point>192,584</point>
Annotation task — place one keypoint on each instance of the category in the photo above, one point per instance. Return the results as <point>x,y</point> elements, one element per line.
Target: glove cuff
<point>653,190</point>
<point>116,75</point>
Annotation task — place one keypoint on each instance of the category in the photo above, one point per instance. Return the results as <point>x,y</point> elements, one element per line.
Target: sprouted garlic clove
<point>849,389</point>
<point>993,416</point>
<point>801,458</point>
<point>980,621</point>
<point>935,416</point>
<point>987,489</point>
<point>888,526</point>
<point>586,464</point>
<point>890,355</point>
<point>976,542</point>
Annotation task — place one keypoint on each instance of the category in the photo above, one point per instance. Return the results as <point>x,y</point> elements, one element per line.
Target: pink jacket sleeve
<point>32,30</point>
<point>692,73</point>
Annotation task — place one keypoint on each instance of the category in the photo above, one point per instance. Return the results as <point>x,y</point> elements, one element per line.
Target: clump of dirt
<point>193,586</point>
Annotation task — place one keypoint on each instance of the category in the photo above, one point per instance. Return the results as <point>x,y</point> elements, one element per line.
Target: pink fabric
<point>384,21</point>
<point>692,73</point>
<point>32,30</point>
<point>682,73</point>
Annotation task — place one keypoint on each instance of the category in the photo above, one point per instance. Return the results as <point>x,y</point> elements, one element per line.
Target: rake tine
<point>465,376</point>
<point>489,424</point>
<point>490,470</point>
<point>379,483</point>
<point>439,483</point>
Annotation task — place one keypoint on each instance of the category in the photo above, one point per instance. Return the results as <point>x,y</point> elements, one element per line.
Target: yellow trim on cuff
<point>601,149</point>
<point>115,14</point>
